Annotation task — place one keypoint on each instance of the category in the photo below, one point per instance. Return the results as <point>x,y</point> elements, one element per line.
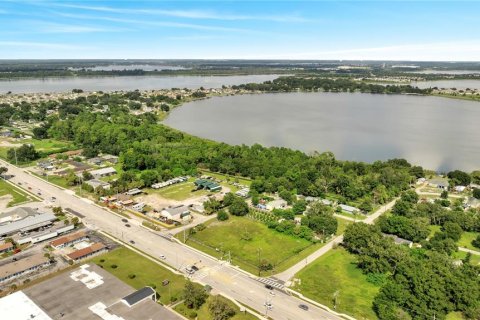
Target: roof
<point>348,208</point>
<point>6,246</point>
<point>397,239</point>
<point>73,152</point>
<point>134,191</point>
<point>19,306</point>
<point>139,295</point>
<point>28,223</point>
<point>22,212</point>
<point>206,184</point>
<point>102,171</point>
<point>97,183</point>
<point>68,238</point>
<point>178,210</point>
<point>86,251</point>
<point>22,264</point>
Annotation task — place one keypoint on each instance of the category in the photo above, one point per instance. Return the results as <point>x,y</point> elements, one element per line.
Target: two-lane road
<point>220,276</point>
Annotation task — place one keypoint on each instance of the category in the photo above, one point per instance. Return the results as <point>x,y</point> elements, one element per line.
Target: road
<point>220,275</point>
<point>290,272</point>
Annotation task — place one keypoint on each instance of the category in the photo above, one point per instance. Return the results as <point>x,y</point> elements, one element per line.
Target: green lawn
<point>433,230</point>
<point>264,244</point>
<point>475,258</point>
<point>179,191</point>
<point>342,225</point>
<point>146,272</point>
<point>337,271</point>
<point>19,196</point>
<point>48,145</point>
<point>466,240</point>
<point>204,314</point>
<point>57,180</point>
<point>454,316</point>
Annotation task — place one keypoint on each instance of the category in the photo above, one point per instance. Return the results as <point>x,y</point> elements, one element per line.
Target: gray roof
<point>108,170</point>
<point>348,208</point>
<point>22,212</point>
<point>28,223</point>
<point>176,211</point>
<point>139,295</point>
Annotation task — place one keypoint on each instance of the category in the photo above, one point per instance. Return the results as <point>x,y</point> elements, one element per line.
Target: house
<point>276,204</point>
<point>95,161</point>
<point>349,209</point>
<point>45,165</point>
<point>178,213</point>
<point>208,185</point>
<point>421,180</point>
<point>399,240</point>
<point>104,172</point>
<point>472,202</point>
<point>90,251</point>
<point>23,266</point>
<point>459,188</point>
<point>69,240</point>
<point>110,158</point>
<point>6,247</point>
<point>138,206</point>
<point>95,183</point>
<point>243,192</point>
<point>326,202</point>
<point>439,183</point>
<point>133,192</point>
<point>261,206</point>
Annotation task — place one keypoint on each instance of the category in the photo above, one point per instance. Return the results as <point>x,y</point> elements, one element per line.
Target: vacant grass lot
<point>146,272</point>
<point>337,271</point>
<point>180,191</point>
<point>466,240</point>
<point>57,180</point>
<point>204,314</point>
<point>17,194</point>
<point>250,241</point>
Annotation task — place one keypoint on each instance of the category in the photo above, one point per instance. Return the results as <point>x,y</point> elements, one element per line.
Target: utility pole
<point>16,160</point>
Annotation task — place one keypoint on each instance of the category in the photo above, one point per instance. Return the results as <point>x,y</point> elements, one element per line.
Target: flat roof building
<point>28,223</point>
<point>140,295</point>
<point>104,172</point>
<point>68,240</point>
<point>23,266</point>
<point>90,251</point>
<point>5,247</point>
<point>95,183</point>
<point>17,214</point>
<point>207,184</point>
<point>177,213</point>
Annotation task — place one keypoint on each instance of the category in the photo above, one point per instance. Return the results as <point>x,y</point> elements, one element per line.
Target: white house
<point>276,204</point>
<point>104,172</point>
<point>178,213</point>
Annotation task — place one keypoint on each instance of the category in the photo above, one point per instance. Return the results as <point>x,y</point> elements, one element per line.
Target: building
<point>459,188</point>
<point>243,192</point>
<point>104,172</point>
<point>39,236</point>
<point>17,214</point>
<point>133,192</point>
<point>6,247</point>
<point>15,269</point>
<point>138,206</point>
<point>170,182</point>
<point>95,161</point>
<point>439,183</point>
<point>276,204</point>
<point>69,240</point>
<point>399,240</point>
<point>86,293</point>
<point>349,209</point>
<point>87,252</point>
<point>94,183</point>
<point>139,296</point>
<point>179,213</point>
<point>110,158</point>
<point>46,165</point>
<point>27,224</point>
<point>207,185</point>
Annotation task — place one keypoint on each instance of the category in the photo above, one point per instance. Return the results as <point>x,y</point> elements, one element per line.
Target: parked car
<point>269,287</point>
<point>303,307</point>
<point>162,257</point>
<point>124,220</point>
<point>127,225</point>
<point>132,242</point>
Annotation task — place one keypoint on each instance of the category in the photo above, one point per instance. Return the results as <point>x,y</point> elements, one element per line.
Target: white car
<point>162,257</point>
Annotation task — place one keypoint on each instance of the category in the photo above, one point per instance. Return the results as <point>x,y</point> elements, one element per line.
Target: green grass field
<point>17,194</point>
<point>264,244</point>
<point>146,272</point>
<point>466,240</point>
<point>48,145</point>
<point>454,316</point>
<point>337,271</point>
<point>342,225</point>
<point>475,258</point>
<point>204,314</point>
<point>57,180</point>
<point>180,191</point>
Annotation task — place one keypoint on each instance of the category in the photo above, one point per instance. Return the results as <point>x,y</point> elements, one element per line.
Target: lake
<point>437,133</point>
<point>447,84</point>
<point>125,83</point>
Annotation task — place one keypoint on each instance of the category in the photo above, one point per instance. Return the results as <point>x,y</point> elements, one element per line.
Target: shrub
<point>131,276</point>
<point>193,315</point>
<point>114,266</point>
<point>222,215</point>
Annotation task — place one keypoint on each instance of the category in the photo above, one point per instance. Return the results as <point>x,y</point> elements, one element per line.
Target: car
<point>195,268</point>
<point>269,287</point>
<point>303,307</point>
<point>272,293</point>
<point>124,220</point>
<point>132,242</point>
<point>53,198</point>
<point>268,305</point>
<point>162,257</point>
<point>127,225</point>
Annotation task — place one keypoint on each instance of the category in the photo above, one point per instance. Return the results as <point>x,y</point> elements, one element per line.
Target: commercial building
<point>5,247</point>
<point>87,252</point>
<point>17,214</point>
<point>39,236</point>
<point>178,213</point>
<point>69,240</point>
<point>207,184</point>
<point>15,269</point>
<point>95,183</point>
<point>87,293</point>
<point>39,220</point>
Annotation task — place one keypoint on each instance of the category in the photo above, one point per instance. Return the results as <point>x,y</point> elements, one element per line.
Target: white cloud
<point>193,14</point>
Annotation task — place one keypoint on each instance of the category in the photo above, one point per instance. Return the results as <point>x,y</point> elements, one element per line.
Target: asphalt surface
<point>219,275</point>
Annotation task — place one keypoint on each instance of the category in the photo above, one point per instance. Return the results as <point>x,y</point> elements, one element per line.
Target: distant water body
<point>437,133</point>
<point>125,83</point>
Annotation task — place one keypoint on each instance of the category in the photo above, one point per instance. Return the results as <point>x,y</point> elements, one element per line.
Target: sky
<point>310,30</point>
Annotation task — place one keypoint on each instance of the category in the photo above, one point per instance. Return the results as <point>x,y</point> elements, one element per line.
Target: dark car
<point>124,220</point>
<point>127,225</point>
<point>303,307</point>
<point>132,242</point>
<point>194,268</point>
<point>269,287</point>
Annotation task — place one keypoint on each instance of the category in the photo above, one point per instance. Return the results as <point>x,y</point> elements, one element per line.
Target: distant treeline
<point>289,84</point>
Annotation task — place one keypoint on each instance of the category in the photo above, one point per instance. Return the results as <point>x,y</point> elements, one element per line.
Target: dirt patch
<point>155,201</point>
<point>4,201</point>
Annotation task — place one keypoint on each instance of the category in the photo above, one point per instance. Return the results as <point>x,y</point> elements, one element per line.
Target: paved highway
<point>220,275</point>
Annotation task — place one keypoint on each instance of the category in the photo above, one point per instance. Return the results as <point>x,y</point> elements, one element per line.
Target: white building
<point>104,172</point>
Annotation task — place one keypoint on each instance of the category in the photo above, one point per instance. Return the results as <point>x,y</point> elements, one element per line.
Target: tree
<point>72,178</point>
<point>220,309</point>
<point>228,199</point>
<point>25,153</point>
<point>320,219</point>
<point>211,205</point>
<point>358,236</point>
<point>238,207</point>
<point>194,295</point>
<point>459,178</point>
<point>222,215</point>
<point>87,175</point>
<point>476,242</point>
<point>444,194</point>
<point>75,221</point>
<point>299,207</point>
<point>476,193</point>
<point>149,177</point>
<point>452,230</point>
<point>3,170</point>
<point>58,211</point>
<point>40,132</point>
